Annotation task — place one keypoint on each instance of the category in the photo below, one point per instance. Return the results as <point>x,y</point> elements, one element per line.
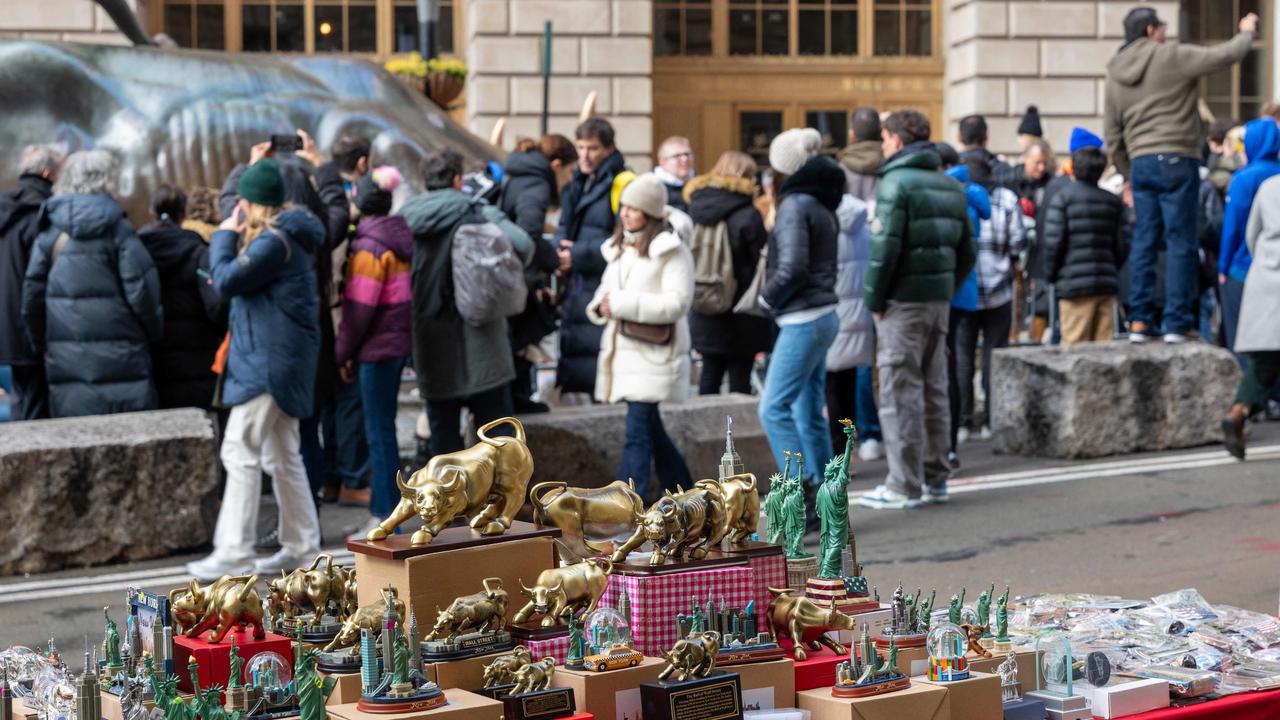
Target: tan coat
<point>657,289</point>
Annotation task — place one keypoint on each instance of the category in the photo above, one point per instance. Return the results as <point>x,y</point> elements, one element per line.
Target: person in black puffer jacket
<point>1085,245</point>
<point>195,318</point>
<point>799,291</point>
<point>587,221</point>
<point>91,302</point>
<point>535,174</point>
<point>729,341</point>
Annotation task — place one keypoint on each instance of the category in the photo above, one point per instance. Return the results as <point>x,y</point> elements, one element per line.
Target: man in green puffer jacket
<point>922,249</point>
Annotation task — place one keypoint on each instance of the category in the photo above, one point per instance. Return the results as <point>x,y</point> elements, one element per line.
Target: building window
<point>759,27</point>
<point>1237,92</point>
<point>195,24</point>
<point>273,26</point>
<point>827,27</point>
<point>406,26</point>
<point>833,125</point>
<point>903,27</point>
<point>682,27</point>
<point>346,26</point>
<point>756,129</point>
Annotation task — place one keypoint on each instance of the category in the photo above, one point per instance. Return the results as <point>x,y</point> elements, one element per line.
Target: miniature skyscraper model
<point>6,695</point>
<point>88,693</point>
<point>730,462</point>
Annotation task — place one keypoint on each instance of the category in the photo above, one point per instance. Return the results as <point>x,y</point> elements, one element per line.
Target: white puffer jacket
<point>657,289</point>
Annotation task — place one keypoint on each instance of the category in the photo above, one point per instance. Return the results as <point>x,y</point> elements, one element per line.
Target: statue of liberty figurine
<point>833,509</point>
<point>774,501</point>
<point>793,512</point>
<point>111,642</point>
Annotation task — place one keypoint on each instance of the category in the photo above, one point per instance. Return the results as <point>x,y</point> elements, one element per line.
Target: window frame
<point>864,41</point>
<point>1264,43</point>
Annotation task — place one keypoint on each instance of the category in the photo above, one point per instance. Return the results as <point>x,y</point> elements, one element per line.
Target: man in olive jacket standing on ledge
<point>921,250</point>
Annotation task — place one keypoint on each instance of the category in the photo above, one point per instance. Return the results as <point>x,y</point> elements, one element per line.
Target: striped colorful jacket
<point>376,320</point>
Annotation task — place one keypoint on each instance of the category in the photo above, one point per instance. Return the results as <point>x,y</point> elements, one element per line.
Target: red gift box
<point>215,659</point>
<point>657,599</point>
<point>818,669</point>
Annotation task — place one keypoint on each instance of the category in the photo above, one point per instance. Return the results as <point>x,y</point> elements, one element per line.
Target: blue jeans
<point>379,386</point>
<point>646,441</point>
<point>868,418</point>
<point>345,451</point>
<point>1208,301</point>
<point>1165,195</point>
<point>794,393</point>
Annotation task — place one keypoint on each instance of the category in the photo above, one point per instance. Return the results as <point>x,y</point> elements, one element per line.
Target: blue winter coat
<point>588,219</point>
<point>1261,145</point>
<point>275,310</point>
<point>94,311</point>
<point>979,209</point>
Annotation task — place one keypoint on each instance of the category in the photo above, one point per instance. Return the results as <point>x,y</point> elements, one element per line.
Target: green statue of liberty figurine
<point>574,658</point>
<point>957,602</point>
<point>312,691</point>
<point>984,610</point>
<point>236,664</point>
<point>832,507</point>
<point>793,512</point>
<point>774,501</point>
<point>926,612</point>
<point>400,661</point>
<point>111,642</point>
<point>1002,616</point>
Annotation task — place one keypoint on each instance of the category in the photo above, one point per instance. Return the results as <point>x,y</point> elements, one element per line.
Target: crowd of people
<point>877,281</point>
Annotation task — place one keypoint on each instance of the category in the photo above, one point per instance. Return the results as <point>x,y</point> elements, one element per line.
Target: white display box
<point>1118,699</point>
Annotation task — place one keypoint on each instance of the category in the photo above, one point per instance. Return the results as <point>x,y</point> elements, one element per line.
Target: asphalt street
<point>1132,526</point>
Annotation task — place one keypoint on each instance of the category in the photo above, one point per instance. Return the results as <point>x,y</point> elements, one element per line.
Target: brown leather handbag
<point>651,333</point>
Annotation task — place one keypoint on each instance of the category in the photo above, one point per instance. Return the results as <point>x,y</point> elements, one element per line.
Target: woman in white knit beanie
<point>643,301</point>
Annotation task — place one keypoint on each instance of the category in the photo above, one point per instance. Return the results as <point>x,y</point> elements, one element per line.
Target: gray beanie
<point>792,149</point>
<point>647,194</point>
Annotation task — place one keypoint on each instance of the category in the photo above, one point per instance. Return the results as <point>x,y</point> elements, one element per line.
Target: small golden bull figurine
<point>691,657</point>
<point>368,617</point>
<point>559,592</point>
<point>503,669</point>
<point>741,501</point>
<point>227,603</point>
<point>535,676</point>
<point>485,611</point>
<point>805,622</point>
<point>322,589</point>
<point>486,482</point>
<point>587,517</point>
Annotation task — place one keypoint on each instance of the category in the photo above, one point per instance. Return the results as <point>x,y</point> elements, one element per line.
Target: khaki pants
<point>1088,319</point>
<point>915,408</point>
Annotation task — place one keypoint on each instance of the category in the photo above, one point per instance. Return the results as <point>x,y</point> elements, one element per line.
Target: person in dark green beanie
<point>263,262</point>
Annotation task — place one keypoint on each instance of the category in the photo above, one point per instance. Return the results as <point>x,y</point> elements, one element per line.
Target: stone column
<point>599,45</point>
<point>1003,55</point>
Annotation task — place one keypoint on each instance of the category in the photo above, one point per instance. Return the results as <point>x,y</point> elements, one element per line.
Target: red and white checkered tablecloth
<point>557,647</point>
<point>656,600</point>
<point>770,571</point>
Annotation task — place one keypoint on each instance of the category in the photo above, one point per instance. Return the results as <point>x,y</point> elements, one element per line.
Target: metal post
<point>428,20</point>
<point>546,74</point>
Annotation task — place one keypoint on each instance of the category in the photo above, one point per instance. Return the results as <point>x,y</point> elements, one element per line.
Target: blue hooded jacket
<point>275,311</point>
<point>1261,145</point>
<point>979,209</point>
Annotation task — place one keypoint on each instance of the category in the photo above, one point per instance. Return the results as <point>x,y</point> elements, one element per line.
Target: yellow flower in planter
<point>413,65</point>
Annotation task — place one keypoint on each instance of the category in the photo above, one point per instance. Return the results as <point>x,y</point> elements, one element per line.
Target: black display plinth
<point>718,697</point>
<point>539,705</point>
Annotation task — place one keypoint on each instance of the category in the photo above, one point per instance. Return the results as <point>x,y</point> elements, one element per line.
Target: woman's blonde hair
<point>736,164</point>
<point>259,218</point>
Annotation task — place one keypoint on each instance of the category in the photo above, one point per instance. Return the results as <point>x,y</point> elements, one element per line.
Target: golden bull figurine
<point>486,483</point>
<point>485,611</point>
<point>691,657</point>
<point>368,617</point>
<point>559,592</point>
<point>805,622</point>
<point>322,589</point>
<point>228,602</point>
<point>535,676</point>
<point>587,517</point>
<point>686,524</point>
<point>741,502</point>
<point>503,669</point>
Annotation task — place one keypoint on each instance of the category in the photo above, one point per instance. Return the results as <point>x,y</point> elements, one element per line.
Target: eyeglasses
<point>679,156</point>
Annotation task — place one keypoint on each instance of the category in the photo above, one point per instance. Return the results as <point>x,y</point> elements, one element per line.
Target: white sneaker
<point>935,496</point>
<point>870,450</point>
<point>962,436</point>
<point>986,433</point>
<point>282,560</point>
<point>213,567</point>
<point>882,498</point>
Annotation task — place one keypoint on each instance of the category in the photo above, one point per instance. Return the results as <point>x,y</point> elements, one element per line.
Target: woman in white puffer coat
<point>643,301</point>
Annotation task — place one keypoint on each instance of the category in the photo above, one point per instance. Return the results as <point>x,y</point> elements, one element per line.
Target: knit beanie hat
<point>792,149</point>
<point>261,184</point>
<point>1081,138</point>
<point>647,194</point>
<point>1030,124</point>
<point>372,194</point>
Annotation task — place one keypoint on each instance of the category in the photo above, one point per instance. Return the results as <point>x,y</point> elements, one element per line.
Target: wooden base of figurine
<point>533,631</point>
<point>875,687</point>
<point>465,646</point>
<point>425,698</point>
<point>637,564</point>
<point>747,654</point>
<point>752,548</point>
<point>338,663</point>
<point>909,640</point>
<point>546,704</point>
<point>496,692</point>
<point>718,696</point>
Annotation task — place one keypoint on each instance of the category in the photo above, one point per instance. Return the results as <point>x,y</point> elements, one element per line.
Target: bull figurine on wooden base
<point>684,525</point>
<point>231,601</point>
<point>691,657</point>
<point>588,518</point>
<point>485,611</point>
<point>485,483</point>
<point>805,622</point>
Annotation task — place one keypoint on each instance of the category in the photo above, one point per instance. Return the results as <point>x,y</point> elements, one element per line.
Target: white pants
<point>260,436</point>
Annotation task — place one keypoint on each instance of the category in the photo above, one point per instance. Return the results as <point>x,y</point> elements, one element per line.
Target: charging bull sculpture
<point>686,524</point>
<point>805,622</point>
<point>559,592</point>
<point>229,602</point>
<point>485,483</point>
<point>587,517</point>
<point>485,611</point>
